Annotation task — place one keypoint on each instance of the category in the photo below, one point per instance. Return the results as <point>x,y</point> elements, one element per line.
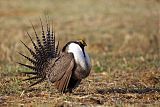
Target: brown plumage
<point>66,68</point>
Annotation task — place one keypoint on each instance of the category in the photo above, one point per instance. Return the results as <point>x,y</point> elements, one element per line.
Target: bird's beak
<point>84,43</point>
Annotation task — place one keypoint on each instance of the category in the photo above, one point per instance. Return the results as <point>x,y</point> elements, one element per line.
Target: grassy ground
<point>123,42</point>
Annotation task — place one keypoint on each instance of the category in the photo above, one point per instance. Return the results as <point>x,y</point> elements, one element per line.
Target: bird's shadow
<point>128,90</point>
<point>111,90</point>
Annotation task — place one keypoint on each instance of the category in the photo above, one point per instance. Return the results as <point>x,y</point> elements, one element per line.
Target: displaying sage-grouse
<point>65,68</point>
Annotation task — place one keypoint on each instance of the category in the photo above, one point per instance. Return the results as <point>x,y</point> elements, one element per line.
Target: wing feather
<point>63,82</point>
<point>61,71</point>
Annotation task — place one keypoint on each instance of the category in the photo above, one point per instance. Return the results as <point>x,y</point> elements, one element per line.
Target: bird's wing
<point>61,70</point>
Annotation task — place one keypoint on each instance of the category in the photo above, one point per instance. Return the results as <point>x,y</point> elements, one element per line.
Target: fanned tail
<point>43,51</point>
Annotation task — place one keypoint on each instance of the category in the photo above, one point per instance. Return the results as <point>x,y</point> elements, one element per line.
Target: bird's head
<point>71,44</point>
<point>81,43</point>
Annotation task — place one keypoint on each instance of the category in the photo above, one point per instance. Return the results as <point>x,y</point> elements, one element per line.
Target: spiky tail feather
<point>43,51</point>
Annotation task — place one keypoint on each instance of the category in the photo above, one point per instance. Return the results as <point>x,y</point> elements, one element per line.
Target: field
<point>123,41</point>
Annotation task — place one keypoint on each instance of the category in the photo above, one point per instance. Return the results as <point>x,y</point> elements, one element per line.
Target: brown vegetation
<point>123,42</point>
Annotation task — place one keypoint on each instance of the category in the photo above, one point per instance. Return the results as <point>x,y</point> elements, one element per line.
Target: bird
<point>64,68</point>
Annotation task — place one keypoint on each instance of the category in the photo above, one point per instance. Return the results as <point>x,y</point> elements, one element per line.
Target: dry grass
<point>123,42</point>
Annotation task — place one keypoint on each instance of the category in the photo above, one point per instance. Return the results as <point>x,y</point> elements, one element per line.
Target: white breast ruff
<point>79,56</point>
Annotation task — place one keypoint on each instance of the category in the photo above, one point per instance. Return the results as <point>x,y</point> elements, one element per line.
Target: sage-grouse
<point>65,68</point>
